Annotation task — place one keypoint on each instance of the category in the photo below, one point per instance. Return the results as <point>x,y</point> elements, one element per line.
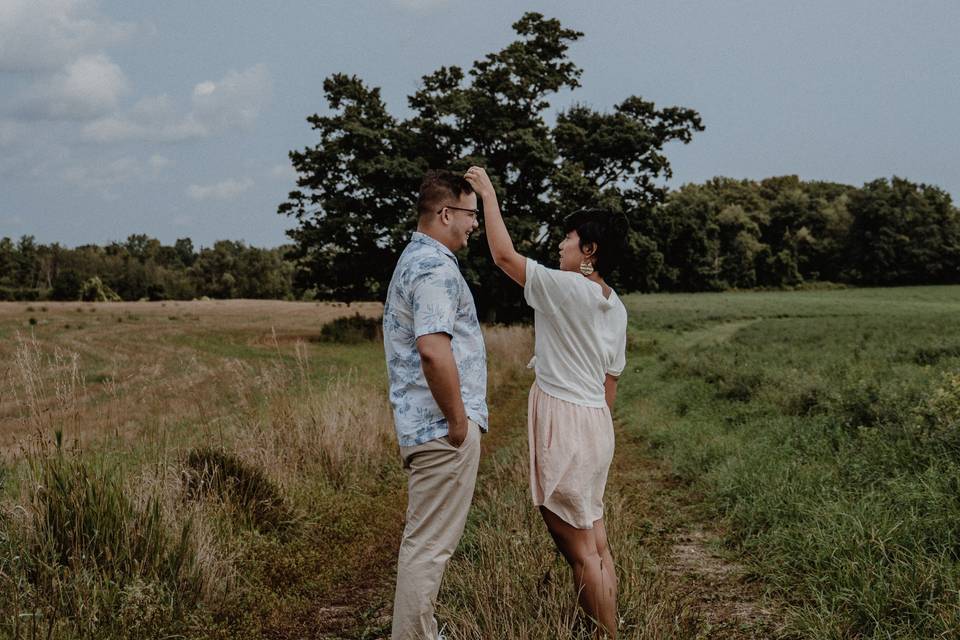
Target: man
<point>438,377</point>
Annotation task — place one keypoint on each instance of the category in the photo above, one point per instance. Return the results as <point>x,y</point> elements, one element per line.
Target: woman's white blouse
<point>580,335</point>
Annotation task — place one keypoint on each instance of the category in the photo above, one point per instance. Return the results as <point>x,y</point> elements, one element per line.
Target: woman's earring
<point>586,267</point>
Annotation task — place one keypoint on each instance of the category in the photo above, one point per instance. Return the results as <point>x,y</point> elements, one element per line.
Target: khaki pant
<point>440,481</point>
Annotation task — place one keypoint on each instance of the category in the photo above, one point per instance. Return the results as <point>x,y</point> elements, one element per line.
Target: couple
<point>437,368</point>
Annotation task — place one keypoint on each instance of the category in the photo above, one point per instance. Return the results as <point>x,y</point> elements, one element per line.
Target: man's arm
<point>501,246</point>
<point>610,390</point>
<point>440,370</point>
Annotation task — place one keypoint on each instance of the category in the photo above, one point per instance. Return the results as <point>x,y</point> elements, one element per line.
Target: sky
<point>175,118</point>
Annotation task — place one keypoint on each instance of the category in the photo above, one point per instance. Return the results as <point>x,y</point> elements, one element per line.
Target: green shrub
<point>93,290</point>
<point>352,330</point>
<point>86,550</point>
<point>254,498</point>
<point>938,416</point>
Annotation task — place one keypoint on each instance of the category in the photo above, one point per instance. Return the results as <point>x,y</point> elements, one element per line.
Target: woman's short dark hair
<point>604,228</point>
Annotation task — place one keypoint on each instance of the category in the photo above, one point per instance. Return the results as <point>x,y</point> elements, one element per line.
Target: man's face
<point>462,220</point>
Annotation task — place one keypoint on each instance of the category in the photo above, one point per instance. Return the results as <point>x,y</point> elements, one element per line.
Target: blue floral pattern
<point>427,294</point>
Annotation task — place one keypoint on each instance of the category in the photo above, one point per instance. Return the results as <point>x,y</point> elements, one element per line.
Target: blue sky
<point>175,118</point>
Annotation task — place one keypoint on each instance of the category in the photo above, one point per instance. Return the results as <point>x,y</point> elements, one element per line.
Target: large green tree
<point>903,233</point>
<point>355,202</point>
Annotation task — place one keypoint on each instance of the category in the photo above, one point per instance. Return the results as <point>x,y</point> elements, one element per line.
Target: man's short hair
<point>440,187</point>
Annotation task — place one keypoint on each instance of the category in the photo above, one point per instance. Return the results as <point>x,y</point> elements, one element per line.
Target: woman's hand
<point>480,181</point>
<point>501,246</point>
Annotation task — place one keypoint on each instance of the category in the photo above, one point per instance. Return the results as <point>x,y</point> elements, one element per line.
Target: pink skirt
<point>571,447</point>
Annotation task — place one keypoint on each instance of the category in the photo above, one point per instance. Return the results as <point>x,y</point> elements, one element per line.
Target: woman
<point>581,329</point>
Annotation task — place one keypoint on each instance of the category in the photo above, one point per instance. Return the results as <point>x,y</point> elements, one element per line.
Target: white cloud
<point>233,102</point>
<point>151,119</point>
<point>37,35</point>
<point>104,177</point>
<point>224,190</point>
<point>87,87</point>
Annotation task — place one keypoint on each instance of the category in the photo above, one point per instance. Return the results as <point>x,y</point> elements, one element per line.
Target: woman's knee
<point>586,558</point>
<point>600,538</point>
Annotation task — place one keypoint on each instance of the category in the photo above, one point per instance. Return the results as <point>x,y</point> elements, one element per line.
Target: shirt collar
<point>423,238</point>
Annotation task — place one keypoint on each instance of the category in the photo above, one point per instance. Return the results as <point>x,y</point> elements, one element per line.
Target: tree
<point>66,286</point>
<point>183,247</point>
<point>8,262</point>
<point>357,186</point>
<point>903,233</point>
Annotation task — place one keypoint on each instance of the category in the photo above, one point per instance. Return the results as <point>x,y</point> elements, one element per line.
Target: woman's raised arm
<point>501,246</point>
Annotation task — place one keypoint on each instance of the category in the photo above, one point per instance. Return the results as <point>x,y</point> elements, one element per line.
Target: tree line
<point>713,236</point>
<point>142,268</point>
<point>356,189</point>
<point>782,232</point>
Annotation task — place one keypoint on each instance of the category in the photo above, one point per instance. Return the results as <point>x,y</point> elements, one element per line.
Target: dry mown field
<point>270,456</point>
<point>117,369</point>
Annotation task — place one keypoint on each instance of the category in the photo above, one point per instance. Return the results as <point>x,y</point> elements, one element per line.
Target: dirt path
<point>694,575</point>
<point>364,611</point>
<point>686,547</point>
<point>725,603</point>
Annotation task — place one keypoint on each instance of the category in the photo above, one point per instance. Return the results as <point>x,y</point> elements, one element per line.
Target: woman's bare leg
<point>608,573</point>
<point>593,575</point>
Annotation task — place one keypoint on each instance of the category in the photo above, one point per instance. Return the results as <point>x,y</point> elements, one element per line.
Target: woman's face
<point>570,254</point>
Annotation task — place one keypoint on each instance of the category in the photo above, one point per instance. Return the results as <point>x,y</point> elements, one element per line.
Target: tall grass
<point>336,433</point>
<point>824,431</point>
<point>48,385</point>
<point>508,581</point>
<point>91,547</point>
<point>82,560</point>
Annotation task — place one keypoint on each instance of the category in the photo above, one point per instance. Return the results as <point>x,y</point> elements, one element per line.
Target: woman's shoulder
<point>550,271</point>
<point>618,310</point>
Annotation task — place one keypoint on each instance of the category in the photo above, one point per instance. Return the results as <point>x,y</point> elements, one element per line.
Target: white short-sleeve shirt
<point>580,335</point>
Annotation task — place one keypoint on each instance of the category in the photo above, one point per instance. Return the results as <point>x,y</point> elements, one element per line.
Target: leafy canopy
<point>357,187</point>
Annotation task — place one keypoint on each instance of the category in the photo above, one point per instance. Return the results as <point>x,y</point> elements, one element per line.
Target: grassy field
<point>787,465</point>
<point>823,428</point>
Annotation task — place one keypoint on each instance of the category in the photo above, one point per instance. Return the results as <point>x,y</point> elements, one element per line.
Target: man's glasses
<point>473,212</point>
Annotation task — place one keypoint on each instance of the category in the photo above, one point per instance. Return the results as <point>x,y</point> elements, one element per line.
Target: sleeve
<point>546,289</point>
<point>620,357</point>
<point>434,298</point>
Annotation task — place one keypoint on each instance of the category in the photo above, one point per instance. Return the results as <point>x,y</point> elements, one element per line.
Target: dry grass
<point>508,580</point>
<point>335,432</point>
<point>250,389</point>
<point>238,374</point>
<point>135,368</point>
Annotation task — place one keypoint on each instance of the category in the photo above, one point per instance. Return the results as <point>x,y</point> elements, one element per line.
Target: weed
<point>352,330</point>
<point>255,499</point>
<point>85,548</point>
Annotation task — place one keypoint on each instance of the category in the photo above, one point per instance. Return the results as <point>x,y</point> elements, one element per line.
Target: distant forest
<point>723,234</point>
